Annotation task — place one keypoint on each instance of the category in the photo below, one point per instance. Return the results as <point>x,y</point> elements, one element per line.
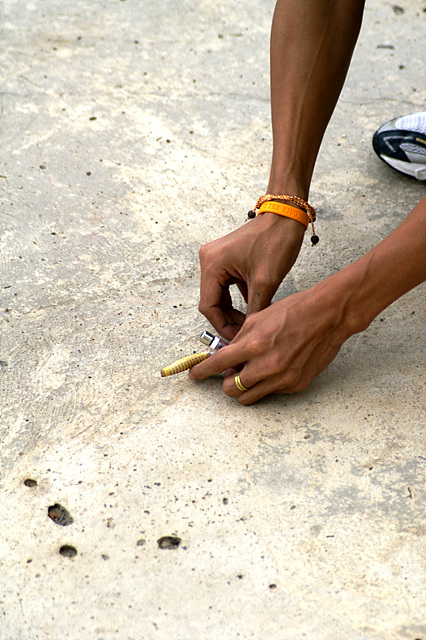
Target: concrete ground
<point>131,133</point>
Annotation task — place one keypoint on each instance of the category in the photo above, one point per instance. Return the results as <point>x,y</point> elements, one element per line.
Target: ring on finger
<point>239,384</point>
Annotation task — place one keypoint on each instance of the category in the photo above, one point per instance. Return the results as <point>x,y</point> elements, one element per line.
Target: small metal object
<point>213,342</point>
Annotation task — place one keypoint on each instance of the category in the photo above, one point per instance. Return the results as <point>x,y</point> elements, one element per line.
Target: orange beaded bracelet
<point>289,212</point>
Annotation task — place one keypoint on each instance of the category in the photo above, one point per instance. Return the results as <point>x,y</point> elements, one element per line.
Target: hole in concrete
<point>60,515</point>
<point>105,556</point>
<point>29,482</point>
<point>272,586</point>
<point>225,501</point>
<point>169,542</point>
<point>68,551</point>
<point>141,542</point>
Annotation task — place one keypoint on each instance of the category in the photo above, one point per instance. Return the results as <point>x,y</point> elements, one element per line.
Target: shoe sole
<point>417,171</point>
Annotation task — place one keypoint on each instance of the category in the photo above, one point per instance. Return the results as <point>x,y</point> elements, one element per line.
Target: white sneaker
<point>401,143</point>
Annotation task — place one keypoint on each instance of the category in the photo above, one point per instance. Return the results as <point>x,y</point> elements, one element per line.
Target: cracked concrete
<point>132,132</point>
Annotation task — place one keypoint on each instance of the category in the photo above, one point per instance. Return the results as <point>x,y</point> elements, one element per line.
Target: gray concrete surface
<point>132,132</point>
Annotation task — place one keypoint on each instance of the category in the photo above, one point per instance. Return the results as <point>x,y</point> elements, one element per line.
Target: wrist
<point>342,294</point>
<point>353,296</point>
<point>281,225</point>
<point>281,182</point>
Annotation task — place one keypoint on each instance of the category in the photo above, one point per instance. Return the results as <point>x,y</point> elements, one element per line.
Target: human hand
<point>285,346</point>
<point>256,257</point>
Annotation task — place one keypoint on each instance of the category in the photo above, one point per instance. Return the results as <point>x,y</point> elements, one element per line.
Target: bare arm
<point>311,47</point>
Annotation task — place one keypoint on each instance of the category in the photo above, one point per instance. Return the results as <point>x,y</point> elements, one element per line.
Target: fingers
<point>290,383</point>
<point>227,358</point>
<point>216,305</point>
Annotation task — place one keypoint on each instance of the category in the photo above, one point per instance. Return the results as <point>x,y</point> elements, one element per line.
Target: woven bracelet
<point>286,211</point>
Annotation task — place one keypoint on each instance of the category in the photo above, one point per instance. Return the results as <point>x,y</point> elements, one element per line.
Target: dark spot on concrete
<point>225,501</point>
<point>398,10</point>
<point>169,542</point>
<point>308,436</point>
<point>42,166</point>
<point>88,173</point>
<point>92,118</point>
<point>105,556</point>
<point>141,542</point>
<point>240,576</point>
<point>385,46</point>
<point>29,482</point>
<point>60,515</point>
<point>68,551</point>
<point>273,586</point>
<point>29,560</point>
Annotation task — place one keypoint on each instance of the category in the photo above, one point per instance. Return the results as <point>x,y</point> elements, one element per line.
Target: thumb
<point>258,299</point>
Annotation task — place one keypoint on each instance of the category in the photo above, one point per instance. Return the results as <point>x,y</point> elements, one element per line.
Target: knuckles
<point>207,254</point>
<point>229,387</point>
<point>203,308</point>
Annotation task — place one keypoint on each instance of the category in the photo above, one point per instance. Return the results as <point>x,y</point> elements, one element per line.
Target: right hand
<point>256,257</point>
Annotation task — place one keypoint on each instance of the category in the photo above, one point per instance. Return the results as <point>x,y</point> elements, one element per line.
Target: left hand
<point>284,346</point>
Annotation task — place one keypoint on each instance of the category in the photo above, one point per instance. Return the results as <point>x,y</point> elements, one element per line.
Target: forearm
<point>384,274</point>
<point>311,48</point>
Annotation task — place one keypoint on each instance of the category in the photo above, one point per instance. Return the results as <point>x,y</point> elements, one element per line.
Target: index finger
<point>227,358</point>
<point>216,305</point>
